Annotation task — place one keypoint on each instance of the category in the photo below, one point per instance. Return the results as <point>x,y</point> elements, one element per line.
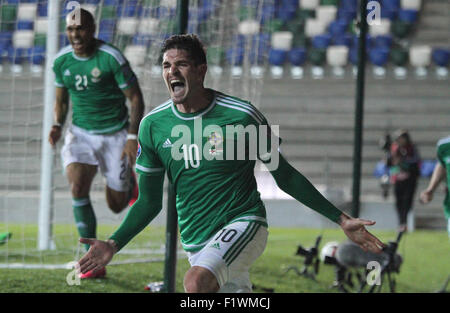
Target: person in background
<point>405,170</point>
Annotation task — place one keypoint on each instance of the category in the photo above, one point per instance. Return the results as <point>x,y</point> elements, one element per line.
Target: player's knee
<point>200,281</point>
<point>78,190</point>
<point>116,205</point>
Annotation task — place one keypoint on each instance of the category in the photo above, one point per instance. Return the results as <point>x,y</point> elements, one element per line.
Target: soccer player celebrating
<point>98,79</point>
<point>220,213</point>
<point>441,173</point>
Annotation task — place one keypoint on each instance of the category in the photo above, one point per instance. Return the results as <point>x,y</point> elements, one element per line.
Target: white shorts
<point>230,254</point>
<point>102,150</point>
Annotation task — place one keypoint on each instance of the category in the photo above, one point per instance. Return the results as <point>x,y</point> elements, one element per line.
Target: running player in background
<point>98,79</point>
<point>221,216</point>
<point>440,173</point>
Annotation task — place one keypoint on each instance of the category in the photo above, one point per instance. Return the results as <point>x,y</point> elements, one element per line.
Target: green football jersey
<point>209,157</point>
<point>443,155</point>
<point>95,87</point>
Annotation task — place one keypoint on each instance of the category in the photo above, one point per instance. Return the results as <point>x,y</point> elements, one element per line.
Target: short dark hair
<point>190,43</point>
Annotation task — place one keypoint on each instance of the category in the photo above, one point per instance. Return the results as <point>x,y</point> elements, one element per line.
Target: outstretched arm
<point>437,176</point>
<point>300,188</point>
<point>144,210</point>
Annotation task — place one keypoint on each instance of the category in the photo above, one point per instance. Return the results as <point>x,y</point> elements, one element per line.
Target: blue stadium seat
<point>96,2</point>
<point>16,55</point>
<point>286,13</point>
<point>343,40</point>
<point>388,13</point>
<point>338,27</point>
<point>42,9</point>
<point>349,4</point>
<point>6,39</point>
<point>112,2</point>
<point>12,1</point>
<point>297,56</point>
<point>106,36</point>
<point>441,56</point>
<point>63,41</point>
<point>321,41</point>
<point>129,10</point>
<point>369,42</point>
<point>235,56</point>
<point>24,25</point>
<point>393,5</point>
<point>379,56</point>
<point>36,55</point>
<point>409,16</point>
<point>353,56</point>
<point>277,57</point>
<point>107,25</point>
<point>141,40</point>
<point>383,41</point>
<point>267,13</point>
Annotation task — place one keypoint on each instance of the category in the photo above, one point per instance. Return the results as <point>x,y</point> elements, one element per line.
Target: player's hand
<point>99,255</point>
<point>356,232</point>
<point>55,135</point>
<point>130,151</point>
<point>426,196</point>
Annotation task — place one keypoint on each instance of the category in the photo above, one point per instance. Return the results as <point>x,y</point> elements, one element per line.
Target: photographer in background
<point>405,170</point>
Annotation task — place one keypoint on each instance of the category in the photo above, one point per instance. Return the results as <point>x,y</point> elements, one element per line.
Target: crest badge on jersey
<point>96,75</point>
<point>215,140</point>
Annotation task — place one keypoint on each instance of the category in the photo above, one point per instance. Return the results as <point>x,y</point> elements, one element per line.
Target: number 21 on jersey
<point>81,82</point>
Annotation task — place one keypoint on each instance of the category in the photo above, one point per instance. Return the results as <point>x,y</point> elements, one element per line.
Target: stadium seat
<point>383,41</point>
<point>282,41</point>
<point>309,4</point>
<point>408,16</point>
<point>141,40</point>
<point>321,41</point>
<point>24,25</point>
<point>314,27</point>
<point>420,59</point>
<point>342,40</point>
<point>383,28</point>
<point>106,36</point>
<point>338,27</point>
<point>441,58</point>
<point>127,25</point>
<point>234,56</point>
<point>379,57</point>
<point>149,26</point>
<point>26,11</point>
<point>286,13</point>
<point>42,9</point>
<point>267,13</point>
<point>297,58</point>
<point>23,39</point>
<point>248,27</point>
<point>411,4</point>
<point>393,5</point>
<point>388,13</point>
<point>337,58</point>
<point>399,57</point>
<point>41,25</point>
<point>107,25</point>
<point>136,56</point>
<point>326,13</point>
<point>317,58</point>
<point>277,57</point>
<point>108,12</point>
<point>352,4</point>
<point>36,57</point>
<point>16,57</point>
<point>346,14</point>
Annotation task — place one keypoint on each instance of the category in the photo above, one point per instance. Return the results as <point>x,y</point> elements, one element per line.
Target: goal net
<point>237,48</point>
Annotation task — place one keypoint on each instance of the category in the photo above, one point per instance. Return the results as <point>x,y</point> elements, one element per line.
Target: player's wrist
<point>113,245</point>
<point>131,137</point>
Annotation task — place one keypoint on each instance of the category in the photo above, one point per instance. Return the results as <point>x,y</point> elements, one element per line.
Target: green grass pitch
<point>424,269</point>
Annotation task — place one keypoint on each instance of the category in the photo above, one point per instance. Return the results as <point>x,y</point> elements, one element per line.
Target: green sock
<point>84,218</point>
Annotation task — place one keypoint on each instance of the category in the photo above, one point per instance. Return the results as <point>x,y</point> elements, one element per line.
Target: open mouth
<point>177,86</point>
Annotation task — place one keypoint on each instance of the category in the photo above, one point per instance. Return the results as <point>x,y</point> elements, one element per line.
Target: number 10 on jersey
<point>191,155</point>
